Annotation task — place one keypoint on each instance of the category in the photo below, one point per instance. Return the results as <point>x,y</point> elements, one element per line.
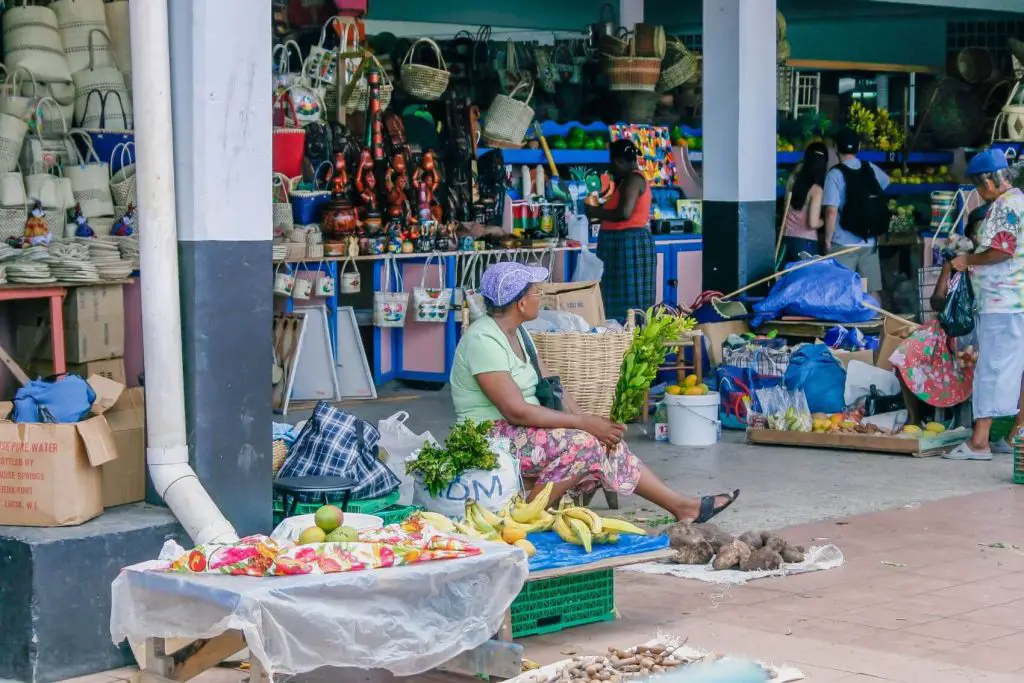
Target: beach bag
<point>401,444</point>
<point>957,316</point>
<point>12,221</point>
<point>431,304</point>
<point>90,180</point>
<point>390,308</point>
<point>62,93</point>
<point>47,152</point>
<point>12,137</point>
<point>288,143</point>
<point>308,205</point>
<point>350,279</point>
<point>105,138</point>
<point>16,101</point>
<point>307,106</point>
<point>820,375</point>
<point>471,296</point>
<point>52,193</point>
<point>321,66</point>
<point>123,183</point>
<point>12,189</point>
<point>284,77</point>
<point>77,19</point>
<point>284,222</point>
<point>89,111</point>
<point>422,81</point>
<point>508,118</point>
<point>32,40</point>
<point>120,32</point>
<point>490,488</point>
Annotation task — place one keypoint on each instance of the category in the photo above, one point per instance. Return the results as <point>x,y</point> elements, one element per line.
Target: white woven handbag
<point>123,183</point>
<point>119,30</point>
<point>48,191</point>
<point>32,40</point>
<point>431,304</point>
<point>62,93</point>
<point>390,308</point>
<point>12,135</point>
<point>12,189</point>
<point>47,152</point>
<point>281,57</point>
<point>322,63</point>
<point>90,180</point>
<point>90,110</point>
<point>16,101</point>
<point>76,39</point>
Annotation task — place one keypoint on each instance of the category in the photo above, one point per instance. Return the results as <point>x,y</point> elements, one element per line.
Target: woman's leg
<point>911,400</point>
<point>1000,337</point>
<point>684,509</point>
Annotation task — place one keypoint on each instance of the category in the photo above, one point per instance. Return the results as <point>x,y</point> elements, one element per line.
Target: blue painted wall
<point>891,40</point>
<point>534,14</point>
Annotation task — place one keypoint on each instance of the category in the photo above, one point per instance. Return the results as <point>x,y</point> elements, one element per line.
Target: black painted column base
<point>739,243</point>
<point>55,591</point>
<point>227,321</point>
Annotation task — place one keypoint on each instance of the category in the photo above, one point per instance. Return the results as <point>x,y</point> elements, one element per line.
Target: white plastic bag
<point>589,268</point>
<point>401,443</point>
<point>861,376</point>
<point>491,488</point>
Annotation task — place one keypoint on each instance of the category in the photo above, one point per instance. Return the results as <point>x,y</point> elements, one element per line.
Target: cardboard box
<point>581,298</point>
<point>93,325</point>
<point>124,479</point>
<point>893,334</point>
<point>715,335</point>
<point>50,473</point>
<point>845,357</point>
<point>112,369</point>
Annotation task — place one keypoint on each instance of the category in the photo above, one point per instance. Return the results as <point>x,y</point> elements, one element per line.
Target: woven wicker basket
<point>422,81</point>
<point>614,46</point>
<point>359,98</point>
<point>782,51</point>
<point>508,118</point>
<point>632,72</point>
<point>588,364</point>
<point>280,453</point>
<point>780,26</point>
<point>680,66</point>
<point>12,221</point>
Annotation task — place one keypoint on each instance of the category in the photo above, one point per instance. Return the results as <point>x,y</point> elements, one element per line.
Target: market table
<point>55,293</point>
<point>406,620</point>
<point>815,329</point>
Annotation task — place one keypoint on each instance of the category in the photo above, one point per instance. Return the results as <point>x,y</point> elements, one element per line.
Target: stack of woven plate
<point>7,252</point>
<point>3,275</point>
<point>129,247</point>
<point>102,249</point>
<point>115,270</point>
<point>29,273</point>
<point>280,252</point>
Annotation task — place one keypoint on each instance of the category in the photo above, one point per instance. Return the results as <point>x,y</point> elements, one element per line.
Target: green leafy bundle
<point>466,448</point>
<point>645,355</point>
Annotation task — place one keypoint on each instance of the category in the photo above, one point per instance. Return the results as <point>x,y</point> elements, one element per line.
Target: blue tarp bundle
<point>553,552</point>
<point>823,291</point>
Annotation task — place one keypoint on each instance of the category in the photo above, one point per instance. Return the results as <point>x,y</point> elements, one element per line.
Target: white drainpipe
<point>167,449</point>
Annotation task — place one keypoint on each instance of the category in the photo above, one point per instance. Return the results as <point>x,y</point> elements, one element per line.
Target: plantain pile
<point>573,524</point>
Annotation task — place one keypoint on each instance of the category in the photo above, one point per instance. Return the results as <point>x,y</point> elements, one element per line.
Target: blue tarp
<point>823,291</point>
<point>553,552</point>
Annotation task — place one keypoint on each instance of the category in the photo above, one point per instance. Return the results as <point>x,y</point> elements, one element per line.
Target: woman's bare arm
<point>941,291</point>
<point>568,402</point>
<point>506,396</point>
<point>629,193</point>
<point>815,221</point>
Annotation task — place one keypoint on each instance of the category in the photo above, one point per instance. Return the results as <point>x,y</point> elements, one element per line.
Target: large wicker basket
<point>680,66</point>
<point>422,81</point>
<point>632,72</point>
<point>588,364</point>
<point>508,118</point>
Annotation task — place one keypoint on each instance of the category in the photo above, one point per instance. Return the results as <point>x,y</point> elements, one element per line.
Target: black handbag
<point>549,389</point>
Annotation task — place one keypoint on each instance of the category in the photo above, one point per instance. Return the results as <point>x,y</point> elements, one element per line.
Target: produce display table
<point>815,329</point>
<point>405,620</point>
<point>926,446</point>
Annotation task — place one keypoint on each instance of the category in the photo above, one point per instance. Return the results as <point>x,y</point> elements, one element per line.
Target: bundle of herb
<point>466,448</point>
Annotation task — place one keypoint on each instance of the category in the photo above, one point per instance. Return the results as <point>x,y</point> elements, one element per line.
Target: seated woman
<point>494,377</point>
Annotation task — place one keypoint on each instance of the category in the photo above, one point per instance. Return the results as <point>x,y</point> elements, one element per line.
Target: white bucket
<point>693,420</point>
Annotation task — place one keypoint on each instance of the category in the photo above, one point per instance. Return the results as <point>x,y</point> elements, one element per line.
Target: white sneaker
<point>964,452</point>
<point>1001,447</point>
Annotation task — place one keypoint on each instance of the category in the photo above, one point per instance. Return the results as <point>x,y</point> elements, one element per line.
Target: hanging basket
<point>782,51</point>
<point>780,27</point>
<point>422,81</point>
<point>680,67</point>
<point>614,46</point>
<point>633,73</point>
<point>508,118</point>
<point>650,40</point>
<point>358,99</point>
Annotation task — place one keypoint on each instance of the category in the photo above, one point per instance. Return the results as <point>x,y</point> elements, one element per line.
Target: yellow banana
<point>561,528</point>
<point>481,524</point>
<point>621,526</point>
<point>530,512</point>
<point>525,528</point>
<point>466,530</point>
<point>586,516</point>
<point>546,520</point>
<point>607,538</point>
<point>582,532</point>
<point>485,514</point>
<point>439,522</point>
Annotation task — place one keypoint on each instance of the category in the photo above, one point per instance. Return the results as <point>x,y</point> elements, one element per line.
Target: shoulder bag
<point>549,389</point>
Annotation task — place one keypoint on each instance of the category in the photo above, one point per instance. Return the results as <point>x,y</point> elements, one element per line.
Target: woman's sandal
<point>708,511</point>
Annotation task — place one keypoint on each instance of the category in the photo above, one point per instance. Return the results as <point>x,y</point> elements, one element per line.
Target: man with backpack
<point>856,209</point>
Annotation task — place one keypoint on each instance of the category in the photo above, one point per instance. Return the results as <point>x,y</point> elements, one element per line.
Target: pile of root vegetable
<point>621,664</point>
<point>749,552</point>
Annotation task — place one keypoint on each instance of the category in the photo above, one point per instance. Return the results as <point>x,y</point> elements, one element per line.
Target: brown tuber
<point>761,560</point>
<point>776,543</point>
<point>752,539</point>
<point>714,535</point>
<point>693,550</point>
<point>792,554</point>
<point>731,555</point>
<point>678,532</point>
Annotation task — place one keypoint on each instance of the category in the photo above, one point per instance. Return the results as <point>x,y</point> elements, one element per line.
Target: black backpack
<point>866,211</point>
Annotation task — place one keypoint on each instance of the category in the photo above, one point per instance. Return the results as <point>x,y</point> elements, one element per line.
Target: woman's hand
<point>959,263</point>
<point>607,432</point>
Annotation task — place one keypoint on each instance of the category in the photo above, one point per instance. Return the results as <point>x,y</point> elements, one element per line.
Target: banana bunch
<point>581,526</point>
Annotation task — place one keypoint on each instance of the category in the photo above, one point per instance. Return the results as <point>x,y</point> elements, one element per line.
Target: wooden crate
<point>924,447</point>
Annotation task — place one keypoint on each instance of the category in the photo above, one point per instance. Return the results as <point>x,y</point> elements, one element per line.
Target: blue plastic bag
<point>66,400</point>
<point>733,385</point>
<point>823,291</point>
<point>814,370</point>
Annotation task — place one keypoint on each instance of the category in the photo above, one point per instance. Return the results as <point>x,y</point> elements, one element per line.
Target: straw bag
<point>281,55</point>
<point>45,153</point>
<point>50,120</point>
<point>288,143</point>
<point>16,102</point>
<point>422,81</point>
<point>472,299</point>
<point>350,279</point>
<point>390,308</point>
<point>614,45</point>
<point>284,222</point>
<point>54,196</point>
<point>90,180</point>
<point>632,72</point>
<point>322,63</point>
<point>12,221</point>
<point>104,79</point>
<point>124,188</point>
<point>508,119</point>
<point>62,93</point>
<point>588,364</point>
<point>307,104</point>
<point>32,40</point>
<point>12,136</point>
<point>357,92</point>
<point>308,205</point>
<point>649,40</point>
<point>12,189</point>
<point>120,32</point>
<point>680,66</point>
<point>107,139</point>
<point>77,20</point>
<point>431,304</point>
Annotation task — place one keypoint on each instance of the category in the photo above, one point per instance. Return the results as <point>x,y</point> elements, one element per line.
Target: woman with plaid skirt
<point>624,244</point>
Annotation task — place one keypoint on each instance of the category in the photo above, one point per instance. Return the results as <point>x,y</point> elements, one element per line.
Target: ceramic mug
<point>284,283</point>
<point>302,289</point>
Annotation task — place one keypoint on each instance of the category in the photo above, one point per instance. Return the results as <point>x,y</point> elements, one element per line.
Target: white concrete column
<point>739,141</point>
<point>221,85</point>
<point>631,12</point>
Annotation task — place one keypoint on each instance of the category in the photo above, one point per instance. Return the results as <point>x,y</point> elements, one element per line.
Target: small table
<point>291,488</point>
<point>16,292</point>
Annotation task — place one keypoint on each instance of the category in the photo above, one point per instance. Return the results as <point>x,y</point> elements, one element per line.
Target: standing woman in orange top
<point>625,244</point>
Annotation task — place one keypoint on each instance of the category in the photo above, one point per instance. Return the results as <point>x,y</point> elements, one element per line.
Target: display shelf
<point>568,157</point>
<point>1012,149</point>
<point>899,190</point>
<point>941,157</point>
<point>571,157</point>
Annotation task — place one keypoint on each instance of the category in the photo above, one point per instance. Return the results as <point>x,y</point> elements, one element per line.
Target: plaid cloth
<point>630,268</point>
<point>334,443</point>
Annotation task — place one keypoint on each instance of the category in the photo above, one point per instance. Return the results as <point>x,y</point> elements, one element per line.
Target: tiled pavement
<point>923,598</point>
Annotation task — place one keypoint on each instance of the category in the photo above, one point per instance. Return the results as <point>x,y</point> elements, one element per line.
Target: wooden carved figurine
<point>366,184</point>
<point>340,187</point>
<point>426,180</point>
<point>397,186</point>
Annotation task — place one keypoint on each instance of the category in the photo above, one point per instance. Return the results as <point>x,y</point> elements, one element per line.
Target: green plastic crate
<point>1018,461</point>
<point>396,513</point>
<point>561,602</point>
<point>371,506</point>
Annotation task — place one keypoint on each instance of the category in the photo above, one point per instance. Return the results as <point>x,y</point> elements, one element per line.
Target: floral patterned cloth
<point>999,288</point>
<point>559,454</point>
<point>406,543</point>
<point>930,364</point>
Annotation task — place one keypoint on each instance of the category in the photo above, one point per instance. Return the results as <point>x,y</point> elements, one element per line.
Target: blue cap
<point>986,161</point>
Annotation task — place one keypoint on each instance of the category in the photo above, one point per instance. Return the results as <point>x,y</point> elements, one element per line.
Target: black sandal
<point>708,511</point>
